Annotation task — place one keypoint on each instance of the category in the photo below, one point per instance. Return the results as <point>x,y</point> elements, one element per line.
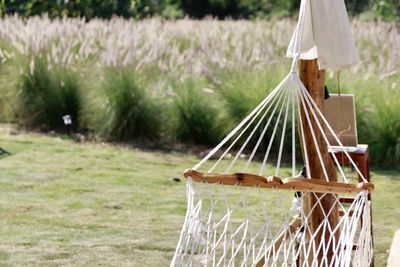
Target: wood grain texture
<point>295,183</point>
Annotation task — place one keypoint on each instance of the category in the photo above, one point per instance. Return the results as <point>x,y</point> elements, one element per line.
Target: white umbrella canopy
<point>326,35</point>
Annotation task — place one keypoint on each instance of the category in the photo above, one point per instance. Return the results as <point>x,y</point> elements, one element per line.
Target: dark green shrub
<point>243,91</point>
<point>385,135</point>
<point>46,95</point>
<point>8,77</point>
<point>198,118</point>
<point>384,130</point>
<point>126,109</point>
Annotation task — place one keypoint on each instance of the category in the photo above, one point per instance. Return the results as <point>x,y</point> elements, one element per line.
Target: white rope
<point>314,139</point>
<point>272,139</point>
<point>189,197</point>
<point>271,96</point>
<point>251,135</point>
<point>262,135</point>
<point>294,94</point>
<point>299,36</point>
<point>303,140</point>
<point>278,163</point>
<point>322,132</point>
<point>243,122</point>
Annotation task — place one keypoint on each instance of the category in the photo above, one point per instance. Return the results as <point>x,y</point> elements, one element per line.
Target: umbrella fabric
<point>326,35</point>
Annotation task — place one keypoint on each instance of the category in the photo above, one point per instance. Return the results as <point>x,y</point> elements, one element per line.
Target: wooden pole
<point>314,80</point>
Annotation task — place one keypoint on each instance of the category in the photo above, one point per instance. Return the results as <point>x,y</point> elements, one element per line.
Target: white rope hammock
<point>255,218</point>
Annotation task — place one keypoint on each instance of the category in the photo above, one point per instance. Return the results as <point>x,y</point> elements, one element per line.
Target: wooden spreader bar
<point>298,184</point>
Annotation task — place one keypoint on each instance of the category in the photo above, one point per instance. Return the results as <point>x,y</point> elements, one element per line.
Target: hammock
<point>252,200</point>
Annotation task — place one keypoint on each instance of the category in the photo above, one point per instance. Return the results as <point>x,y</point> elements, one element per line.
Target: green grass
<point>68,204</point>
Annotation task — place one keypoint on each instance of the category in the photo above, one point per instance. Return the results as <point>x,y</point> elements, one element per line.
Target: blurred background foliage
<point>178,81</point>
<point>372,9</point>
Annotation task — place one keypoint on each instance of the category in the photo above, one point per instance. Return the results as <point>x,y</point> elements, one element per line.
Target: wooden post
<point>314,80</point>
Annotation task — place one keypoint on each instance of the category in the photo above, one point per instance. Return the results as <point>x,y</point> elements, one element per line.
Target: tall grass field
<point>179,80</point>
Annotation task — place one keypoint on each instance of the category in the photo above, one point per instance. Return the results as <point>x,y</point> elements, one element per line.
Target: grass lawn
<point>68,204</point>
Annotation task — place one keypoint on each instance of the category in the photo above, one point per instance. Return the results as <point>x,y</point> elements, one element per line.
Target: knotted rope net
<point>240,212</point>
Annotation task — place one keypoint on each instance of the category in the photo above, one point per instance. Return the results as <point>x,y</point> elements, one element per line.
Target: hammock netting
<point>240,226</point>
<point>253,200</point>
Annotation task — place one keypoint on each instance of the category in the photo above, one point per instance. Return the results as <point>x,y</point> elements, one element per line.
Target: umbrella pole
<point>314,81</point>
